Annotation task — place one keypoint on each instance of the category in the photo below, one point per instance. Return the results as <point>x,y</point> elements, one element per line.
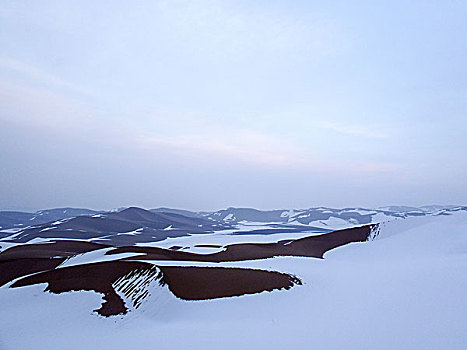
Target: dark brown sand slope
<point>131,278</point>
<point>191,283</point>
<point>25,259</point>
<point>312,246</point>
<point>201,283</point>
<point>62,248</point>
<point>12,269</point>
<point>98,277</point>
<point>22,260</point>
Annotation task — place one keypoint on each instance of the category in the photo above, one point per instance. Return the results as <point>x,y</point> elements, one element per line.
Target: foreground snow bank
<point>404,290</point>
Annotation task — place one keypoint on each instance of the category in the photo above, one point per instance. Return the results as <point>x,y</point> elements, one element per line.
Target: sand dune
<point>98,277</point>
<point>200,283</point>
<point>311,246</point>
<point>130,278</point>
<point>23,260</point>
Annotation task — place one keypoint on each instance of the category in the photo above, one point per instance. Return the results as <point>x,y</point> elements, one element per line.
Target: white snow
<point>12,230</point>
<point>229,217</point>
<point>404,290</point>
<point>225,237</point>
<point>131,233</point>
<point>381,217</point>
<point>288,213</point>
<point>94,256</point>
<point>333,223</point>
<point>47,229</point>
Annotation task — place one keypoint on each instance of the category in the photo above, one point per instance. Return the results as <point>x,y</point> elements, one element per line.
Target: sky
<point>208,104</point>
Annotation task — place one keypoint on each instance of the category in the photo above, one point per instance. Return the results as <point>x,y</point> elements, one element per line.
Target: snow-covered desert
<point>233,175</point>
<point>396,281</point>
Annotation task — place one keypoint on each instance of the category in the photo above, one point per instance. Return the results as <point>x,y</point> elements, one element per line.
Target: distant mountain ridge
<point>136,225</point>
<point>15,219</point>
<point>318,216</point>
<point>126,226</point>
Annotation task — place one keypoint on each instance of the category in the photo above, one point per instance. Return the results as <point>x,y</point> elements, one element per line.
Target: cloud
<point>169,136</point>
<point>354,129</point>
<point>40,108</point>
<point>226,29</point>
<point>33,73</point>
<point>236,146</point>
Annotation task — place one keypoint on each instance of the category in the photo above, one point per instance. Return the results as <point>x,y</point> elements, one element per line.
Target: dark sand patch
<point>26,259</point>
<point>290,229</point>
<point>12,269</point>
<point>61,248</point>
<point>131,278</point>
<point>311,246</point>
<point>190,283</point>
<point>201,283</point>
<point>99,277</point>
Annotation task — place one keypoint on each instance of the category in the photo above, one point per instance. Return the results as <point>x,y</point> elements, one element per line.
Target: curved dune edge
<point>311,246</point>
<point>23,260</point>
<point>129,278</point>
<point>202,283</point>
<point>98,277</point>
<point>132,278</point>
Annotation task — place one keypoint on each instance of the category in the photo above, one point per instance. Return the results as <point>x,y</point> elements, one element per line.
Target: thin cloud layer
<point>200,104</point>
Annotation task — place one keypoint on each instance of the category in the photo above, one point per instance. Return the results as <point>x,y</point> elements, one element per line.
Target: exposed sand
<point>200,283</point>
<point>23,260</point>
<point>12,269</point>
<point>189,283</point>
<point>312,246</point>
<point>98,277</point>
<point>61,248</point>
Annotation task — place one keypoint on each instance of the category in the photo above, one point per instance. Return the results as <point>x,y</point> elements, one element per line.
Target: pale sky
<point>208,104</point>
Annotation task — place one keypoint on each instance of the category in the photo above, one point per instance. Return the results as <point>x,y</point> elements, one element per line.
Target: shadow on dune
<point>132,280</point>
<point>312,246</point>
<point>98,277</point>
<point>129,278</point>
<point>23,260</point>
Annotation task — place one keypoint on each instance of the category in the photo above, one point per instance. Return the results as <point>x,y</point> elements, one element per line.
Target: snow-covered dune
<point>402,289</point>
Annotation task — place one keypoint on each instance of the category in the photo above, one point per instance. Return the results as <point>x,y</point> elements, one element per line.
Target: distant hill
<point>133,225</point>
<point>15,219</point>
